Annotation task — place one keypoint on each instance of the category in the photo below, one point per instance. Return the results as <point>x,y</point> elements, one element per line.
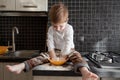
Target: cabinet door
<point>56,78</point>
<point>12,76</point>
<point>31,5</point>
<point>1,71</point>
<point>110,78</point>
<point>7,5</point>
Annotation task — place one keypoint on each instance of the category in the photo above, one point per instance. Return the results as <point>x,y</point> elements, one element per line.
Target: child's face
<point>59,27</point>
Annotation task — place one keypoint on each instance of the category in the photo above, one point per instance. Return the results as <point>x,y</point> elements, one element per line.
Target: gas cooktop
<point>105,59</point>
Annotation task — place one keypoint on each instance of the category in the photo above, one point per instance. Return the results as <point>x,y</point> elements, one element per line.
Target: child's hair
<point>58,13</point>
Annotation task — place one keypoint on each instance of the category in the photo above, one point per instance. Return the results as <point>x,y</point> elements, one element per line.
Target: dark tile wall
<point>32,31</point>
<point>96,24</point>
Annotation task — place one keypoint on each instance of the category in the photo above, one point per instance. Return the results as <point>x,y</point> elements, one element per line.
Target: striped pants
<point>75,57</point>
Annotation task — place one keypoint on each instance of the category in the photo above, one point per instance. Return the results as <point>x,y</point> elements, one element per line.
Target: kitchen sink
<point>26,53</point>
<point>23,53</point>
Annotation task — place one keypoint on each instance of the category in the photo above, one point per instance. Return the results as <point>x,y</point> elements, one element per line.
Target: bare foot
<point>16,68</point>
<point>86,74</point>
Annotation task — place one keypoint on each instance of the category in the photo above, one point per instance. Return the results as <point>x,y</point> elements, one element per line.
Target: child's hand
<point>58,58</point>
<point>64,57</point>
<point>54,58</point>
<point>52,54</point>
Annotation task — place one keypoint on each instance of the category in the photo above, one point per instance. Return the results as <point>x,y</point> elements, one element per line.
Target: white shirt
<point>62,40</point>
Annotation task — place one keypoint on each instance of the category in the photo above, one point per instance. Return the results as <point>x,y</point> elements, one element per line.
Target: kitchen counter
<point>13,59</point>
<point>113,73</point>
<point>105,72</point>
<point>51,70</point>
<point>39,71</point>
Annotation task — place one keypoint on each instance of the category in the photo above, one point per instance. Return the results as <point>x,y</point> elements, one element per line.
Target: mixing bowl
<point>57,61</point>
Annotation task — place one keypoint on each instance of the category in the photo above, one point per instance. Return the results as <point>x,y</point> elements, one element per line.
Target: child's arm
<point>52,54</point>
<point>50,43</point>
<point>68,39</point>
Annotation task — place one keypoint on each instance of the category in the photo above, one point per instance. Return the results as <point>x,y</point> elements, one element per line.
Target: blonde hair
<point>58,13</point>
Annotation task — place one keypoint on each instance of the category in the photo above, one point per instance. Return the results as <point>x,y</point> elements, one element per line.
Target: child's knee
<point>76,57</point>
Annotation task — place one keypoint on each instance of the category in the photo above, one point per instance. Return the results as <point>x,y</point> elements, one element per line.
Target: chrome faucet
<point>13,37</point>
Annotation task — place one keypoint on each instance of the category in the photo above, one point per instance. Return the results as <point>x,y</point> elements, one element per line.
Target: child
<point>60,43</point>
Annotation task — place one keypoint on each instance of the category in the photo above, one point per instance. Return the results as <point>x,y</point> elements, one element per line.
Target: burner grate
<point>105,59</point>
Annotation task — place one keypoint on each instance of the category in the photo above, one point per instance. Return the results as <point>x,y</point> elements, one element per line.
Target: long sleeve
<point>50,41</point>
<point>68,41</point>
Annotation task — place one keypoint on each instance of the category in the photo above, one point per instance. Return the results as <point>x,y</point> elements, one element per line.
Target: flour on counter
<point>48,66</point>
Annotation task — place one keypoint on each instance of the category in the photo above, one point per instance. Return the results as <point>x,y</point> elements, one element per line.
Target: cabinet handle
<point>2,6</point>
<point>29,6</point>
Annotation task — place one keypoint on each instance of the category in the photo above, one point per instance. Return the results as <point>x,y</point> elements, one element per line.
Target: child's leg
<point>16,68</point>
<point>28,64</point>
<point>86,74</point>
<point>76,58</point>
<point>81,66</point>
<point>43,58</point>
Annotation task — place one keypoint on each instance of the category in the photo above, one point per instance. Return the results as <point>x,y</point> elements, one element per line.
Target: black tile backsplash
<point>96,26</point>
<point>32,31</point>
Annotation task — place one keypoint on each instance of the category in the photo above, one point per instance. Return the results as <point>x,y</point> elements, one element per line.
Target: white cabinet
<point>56,78</point>
<point>12,76</point>
<point>1,71</point>
<point>7,75</point>
<point>110,79</point>
<point>23,5</point>
<point>7,5</point>
<point>31,5</point>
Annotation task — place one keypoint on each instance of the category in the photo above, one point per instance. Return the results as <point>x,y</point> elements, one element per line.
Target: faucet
<point>13,37</point>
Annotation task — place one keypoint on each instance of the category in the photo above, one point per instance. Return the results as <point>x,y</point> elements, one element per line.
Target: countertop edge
<point>55,73</point>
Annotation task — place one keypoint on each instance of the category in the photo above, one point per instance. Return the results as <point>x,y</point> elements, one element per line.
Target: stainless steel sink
<point>23,53</point>
<point>26,53</point>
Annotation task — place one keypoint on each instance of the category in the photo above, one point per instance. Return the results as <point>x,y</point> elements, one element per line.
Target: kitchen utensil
<point>3,49</point>
<point>100,57</point>
<point>107,60</point>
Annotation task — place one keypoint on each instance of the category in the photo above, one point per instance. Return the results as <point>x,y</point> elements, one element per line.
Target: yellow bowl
<point>3,49</point>
<point>57,62</point>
